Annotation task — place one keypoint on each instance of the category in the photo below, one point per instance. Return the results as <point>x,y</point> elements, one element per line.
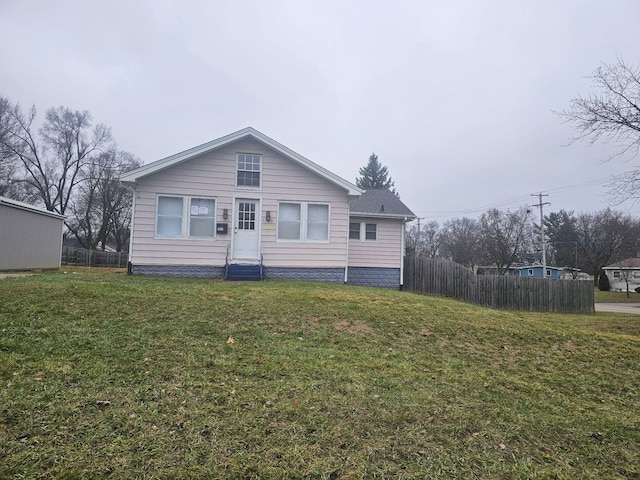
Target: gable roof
<point>31,208</point>
<point>131,177</point>
<point>633,262</point>
<point>380,202</point>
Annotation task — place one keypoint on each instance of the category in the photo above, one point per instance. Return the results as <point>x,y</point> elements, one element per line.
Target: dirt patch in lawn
<point>353,327</point>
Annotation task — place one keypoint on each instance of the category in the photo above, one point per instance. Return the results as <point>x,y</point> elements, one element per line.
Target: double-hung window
<point>370,231</point>
<point>363,231</point>
<point>248,171</point>
<point>169,216</point>
<point>185,217</point>
<point>354,231</point>
<point>303,221</point>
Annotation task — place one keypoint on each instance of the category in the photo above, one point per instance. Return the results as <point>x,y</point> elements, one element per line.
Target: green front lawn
<point>106,375</point>
<point>616,297</point>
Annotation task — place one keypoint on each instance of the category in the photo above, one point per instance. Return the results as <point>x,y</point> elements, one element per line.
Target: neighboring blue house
<point>535,271</point>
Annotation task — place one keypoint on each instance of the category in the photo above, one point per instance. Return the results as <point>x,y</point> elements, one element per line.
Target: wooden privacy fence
<point>93,258</point>
<point>443,277</point>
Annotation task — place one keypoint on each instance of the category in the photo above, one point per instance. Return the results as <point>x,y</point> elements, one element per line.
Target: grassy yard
<point>106,375</point>
<point>616,297</point>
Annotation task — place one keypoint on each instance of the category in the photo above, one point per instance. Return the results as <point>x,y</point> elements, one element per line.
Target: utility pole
<point>418,239</point>
<point>544,251</point>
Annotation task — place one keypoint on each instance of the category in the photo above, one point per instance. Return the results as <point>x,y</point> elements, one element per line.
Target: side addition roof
<point>131,177</point>
<point>380,203</point>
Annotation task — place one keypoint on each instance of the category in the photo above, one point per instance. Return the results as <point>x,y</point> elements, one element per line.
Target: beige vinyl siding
<point>385,252</point>
<point>214,175</point>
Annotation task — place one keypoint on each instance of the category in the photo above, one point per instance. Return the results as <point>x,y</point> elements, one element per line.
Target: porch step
<point>244,272</point>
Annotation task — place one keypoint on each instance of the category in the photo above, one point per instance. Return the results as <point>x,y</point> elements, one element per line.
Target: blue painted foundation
<point>364,276</point>
<point>374,277</point>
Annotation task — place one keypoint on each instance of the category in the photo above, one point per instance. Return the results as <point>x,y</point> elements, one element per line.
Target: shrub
<point>603,282</point>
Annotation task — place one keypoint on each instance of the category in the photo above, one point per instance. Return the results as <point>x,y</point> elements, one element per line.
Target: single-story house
<point>30,237</point>
<point>624,272</point>
<point>533,271</point>
<point>536,271</point>
<point>246,206</point>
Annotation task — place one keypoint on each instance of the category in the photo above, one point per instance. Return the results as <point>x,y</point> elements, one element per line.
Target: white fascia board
<point>406,218</point>
<point>305,162</point>
<point>131,177</point>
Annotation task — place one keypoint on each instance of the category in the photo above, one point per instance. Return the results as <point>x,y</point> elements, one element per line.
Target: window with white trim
<point>202,221</point>
<point>616,274</point>
<point>354,231</point>
<point>185,217</point>
<point>371,231</point>
<point>317,222</point>
<point>248,171</point>
<point>303,221</point>
<point>363,231</point>
<point>169,216</point>
<point>289,221</point>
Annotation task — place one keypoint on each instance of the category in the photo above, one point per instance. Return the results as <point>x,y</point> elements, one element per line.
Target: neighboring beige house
<point>624,272</point>
<point>30,238</point>
<point>244,206</point>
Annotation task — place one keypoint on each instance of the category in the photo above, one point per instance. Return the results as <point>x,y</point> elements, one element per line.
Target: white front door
<point>246,230</point>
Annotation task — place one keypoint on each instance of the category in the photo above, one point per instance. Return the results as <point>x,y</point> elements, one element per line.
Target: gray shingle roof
<point>633,262</point>
<point>380,202</point>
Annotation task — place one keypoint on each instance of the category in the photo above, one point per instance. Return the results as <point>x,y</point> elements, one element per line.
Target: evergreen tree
<point>603,283</point>
<point>375,175</point>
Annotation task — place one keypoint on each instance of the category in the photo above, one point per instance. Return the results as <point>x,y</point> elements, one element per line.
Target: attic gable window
<point>248,171</point>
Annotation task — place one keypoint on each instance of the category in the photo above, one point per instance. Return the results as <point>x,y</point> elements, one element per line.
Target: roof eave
<point>29,208</point>
<point>407,218</point>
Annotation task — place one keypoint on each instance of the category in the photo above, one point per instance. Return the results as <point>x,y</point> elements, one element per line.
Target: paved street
<point>618,307</point>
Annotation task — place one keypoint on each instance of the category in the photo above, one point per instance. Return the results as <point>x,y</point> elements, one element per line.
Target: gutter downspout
<point>131,230</point>
<point>404,232</point>
<point>346,260</point>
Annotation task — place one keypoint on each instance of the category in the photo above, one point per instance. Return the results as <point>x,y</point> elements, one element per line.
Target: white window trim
<point>363,232</point>
<point>359,239</point>
<point>186,216</point>
<point>304,209</point>
<point>247,187</point>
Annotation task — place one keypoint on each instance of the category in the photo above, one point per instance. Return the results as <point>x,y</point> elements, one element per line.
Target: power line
<point>519,200</point>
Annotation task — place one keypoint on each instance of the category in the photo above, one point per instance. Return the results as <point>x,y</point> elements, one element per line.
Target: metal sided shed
<point>29,236</point>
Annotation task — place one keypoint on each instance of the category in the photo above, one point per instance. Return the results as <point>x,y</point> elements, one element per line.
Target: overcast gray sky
<point>455,97</point>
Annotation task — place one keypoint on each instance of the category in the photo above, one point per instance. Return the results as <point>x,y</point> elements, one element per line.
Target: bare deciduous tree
<point>503,235</point>
<point>101,210</point>
<point>460,241</point>
<point>605,237</point>
<point>424,242</point>
<point>52,162</point>
<point>9,180</point>
<point>611,114</point>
